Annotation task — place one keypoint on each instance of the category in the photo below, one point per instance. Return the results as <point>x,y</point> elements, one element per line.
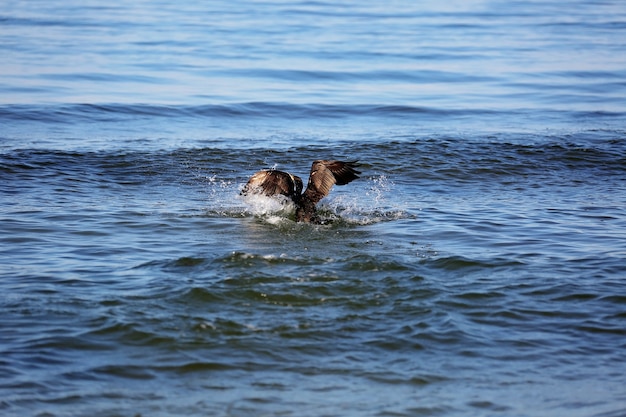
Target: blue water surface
<point>475,268</point>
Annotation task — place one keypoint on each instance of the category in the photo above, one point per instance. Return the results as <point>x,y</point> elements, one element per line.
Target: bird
<point>324,174</point>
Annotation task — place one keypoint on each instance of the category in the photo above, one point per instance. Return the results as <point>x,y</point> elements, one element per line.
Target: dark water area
<point>477,267</point>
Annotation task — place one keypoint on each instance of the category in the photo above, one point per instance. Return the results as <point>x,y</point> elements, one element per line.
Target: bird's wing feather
<point>272,182</point>
<point>325,174</point>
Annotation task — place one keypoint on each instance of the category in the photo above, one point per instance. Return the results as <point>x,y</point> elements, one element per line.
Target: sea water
<point>476,268</point>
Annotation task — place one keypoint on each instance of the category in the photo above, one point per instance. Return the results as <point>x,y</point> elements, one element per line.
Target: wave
<point>389,165</point>
<point>73,113</point>
<point>70,113</point>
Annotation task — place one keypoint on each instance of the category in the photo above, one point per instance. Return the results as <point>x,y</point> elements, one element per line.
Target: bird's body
<point>324,174</point>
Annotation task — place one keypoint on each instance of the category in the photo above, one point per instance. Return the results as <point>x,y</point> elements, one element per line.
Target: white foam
<point>272,208</point>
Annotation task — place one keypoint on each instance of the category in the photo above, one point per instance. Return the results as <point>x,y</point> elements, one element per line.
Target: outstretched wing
<point>272,182</point>
<point>325,174</point>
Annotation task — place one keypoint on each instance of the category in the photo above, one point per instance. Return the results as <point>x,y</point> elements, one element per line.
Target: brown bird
<point>324,174</point>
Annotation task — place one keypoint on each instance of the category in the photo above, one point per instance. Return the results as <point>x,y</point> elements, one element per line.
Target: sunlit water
<point>475,268</point>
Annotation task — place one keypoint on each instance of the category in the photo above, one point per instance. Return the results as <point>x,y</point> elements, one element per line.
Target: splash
<point>273,209</point>
<point>221,196</point>
<point>372,202</point>
<point>379,188</point>
<point>375,204</point>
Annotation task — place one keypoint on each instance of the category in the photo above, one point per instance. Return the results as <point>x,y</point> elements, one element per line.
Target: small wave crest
<point>68,113</point>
